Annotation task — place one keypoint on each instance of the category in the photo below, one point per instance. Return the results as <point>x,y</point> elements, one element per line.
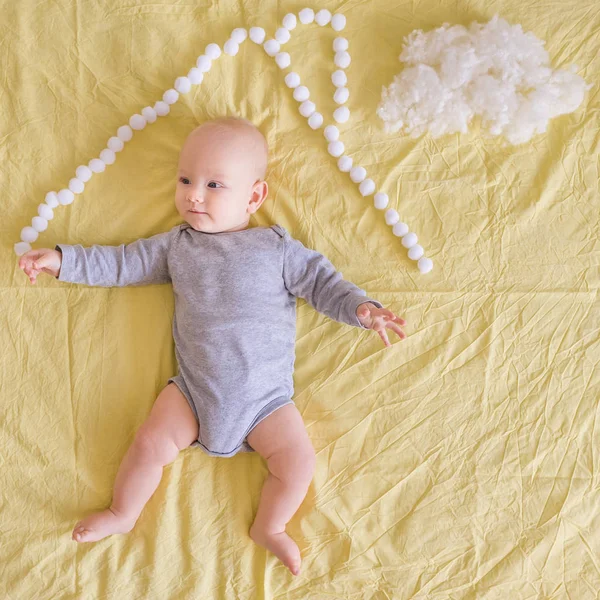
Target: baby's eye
<point>214,184</point>
<point>184,179</point>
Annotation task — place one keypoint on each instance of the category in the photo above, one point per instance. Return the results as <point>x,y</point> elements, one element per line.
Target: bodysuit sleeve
<point>143,262</point>
<point>310,275</point>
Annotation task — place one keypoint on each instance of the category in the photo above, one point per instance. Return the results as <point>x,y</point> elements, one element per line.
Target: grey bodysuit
<point>234,325</point>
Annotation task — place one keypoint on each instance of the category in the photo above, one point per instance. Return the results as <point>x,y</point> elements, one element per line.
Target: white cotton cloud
<point>493,71</point>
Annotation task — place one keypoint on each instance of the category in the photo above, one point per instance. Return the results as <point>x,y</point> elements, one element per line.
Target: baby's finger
<point>397,329</point>
<point>383,336</point>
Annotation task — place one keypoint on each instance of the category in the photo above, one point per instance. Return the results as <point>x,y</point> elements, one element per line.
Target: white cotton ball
<point>292,80</point>
<point>204,63</point>
<point>137,122</point>
<point>124,133</point>
<point>345,164</point>
<point>306,16</point>
<point>162,108</point>
<point>289,21</point>
<point>342,59</point>
<point>29,234</point>
<point>315,120</point>
<point>425,265</point>
<point>341,95</point>
<point>76,185</point>
<point>409,240</point>
<point>107,156</point>
<point>213,51</point>
<point>271,47</point>
<point>331,133</point>
<point>323,17</point>
<point>115,144</point>
<point>45,212</point>
<point>301,93</point>
<point>39,224</point>
<point>231,47</point>
<point>307,108</point>
<point>195,76</point>
<point>416,252</point>
<point>341,114</point>
<point>399,229</point>
<point>97,165</point>
<point>380,200</point>
<point>21,248</point>
<point>367,187</point>
<point>282,35</point>
<point>239,34</point>
<point>283,60</point>
<point>339,78</point>
<point>171,96</point>
<point>84,173</point>
<point>64,197</point>
<point>340,44</point>
<point>51,199</point>
<point>391,216</point>
<point>183,85</point>
<point>336,148</point>
<point>357,174</point>
<point>257,35</point>
<point>338,22</point>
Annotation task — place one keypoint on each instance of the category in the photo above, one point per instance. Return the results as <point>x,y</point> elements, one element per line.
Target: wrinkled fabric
<point>458,464</point>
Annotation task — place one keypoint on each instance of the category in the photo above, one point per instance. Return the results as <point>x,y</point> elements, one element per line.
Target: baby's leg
<point>281,439</point>
<point>171,427</point>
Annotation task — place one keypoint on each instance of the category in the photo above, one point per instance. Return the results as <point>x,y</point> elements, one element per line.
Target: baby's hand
<point>39,261</point>
<point>378,319</point>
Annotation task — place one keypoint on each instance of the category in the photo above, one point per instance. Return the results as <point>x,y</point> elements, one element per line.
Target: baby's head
<point>221,174</point>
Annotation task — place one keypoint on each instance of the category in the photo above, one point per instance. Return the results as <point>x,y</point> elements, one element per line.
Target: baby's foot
<point>101,524</point>
<point>281,545</point>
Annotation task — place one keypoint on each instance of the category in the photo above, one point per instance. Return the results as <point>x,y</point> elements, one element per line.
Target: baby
<point>234,330</point>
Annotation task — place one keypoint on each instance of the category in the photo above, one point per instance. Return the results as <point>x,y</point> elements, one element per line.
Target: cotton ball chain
<point>289,21</point>
<point>416,252</point>
<point>357,174</point>
<point>195,76</point>
<point>340,44</point>
<point>107,156</point>
<point>162,109</point>
<point>171,96</point>
<point>271,47</point>
<point>391,216</point>
<point>21,248</point>
<point>292,80</point>
<point>137,122</point>
<point>315,120</point>
<point>204,63</point>
<point>182,85</point>
<point>307,108</point>
<point>323,17</point>
<point>301,93</point>
<point>46,212</point>
<point>239,34</point>
<point>29,234</point>
<point>257,35</point>
<point>76,186</point>
<point>213,51</point>
<point>149,114</point>
<point>425,265</point>
<point>306,16</point>
<point>367,187</point>
<point>339,78</point>
<point>64,197</point>
<point>97,165</point>
<point>336,148</point>
<point>51,199</point>
<point>39,224</point>
<point>341,95</point>
<point>231,47</point>
<point>380,200</point>
<point>341,114</point>
<point>399,229</point>
<point>331,133</point>
<point>124,133</point>
<point>342,59</point>
<point>84,173</point>
<point>282,35</point>
<point>409,240</point>
<point>345,164</point>
<point>283,59</point>
<point>115,144</point>
<point>338,22</point>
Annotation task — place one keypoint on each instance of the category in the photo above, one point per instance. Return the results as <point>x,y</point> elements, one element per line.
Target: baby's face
<point>218,183</point>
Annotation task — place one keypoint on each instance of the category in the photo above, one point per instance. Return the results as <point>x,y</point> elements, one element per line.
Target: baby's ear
<point>259,194</point>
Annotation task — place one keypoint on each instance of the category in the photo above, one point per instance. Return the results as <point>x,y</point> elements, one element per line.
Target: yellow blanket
<point>460,463</point>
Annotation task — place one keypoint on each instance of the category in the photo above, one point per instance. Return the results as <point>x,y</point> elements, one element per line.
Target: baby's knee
<point>295,464</point>
<point>153,446</point>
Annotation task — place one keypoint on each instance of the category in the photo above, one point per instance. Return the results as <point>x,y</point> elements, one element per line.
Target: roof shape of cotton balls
<point>494,71</point>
